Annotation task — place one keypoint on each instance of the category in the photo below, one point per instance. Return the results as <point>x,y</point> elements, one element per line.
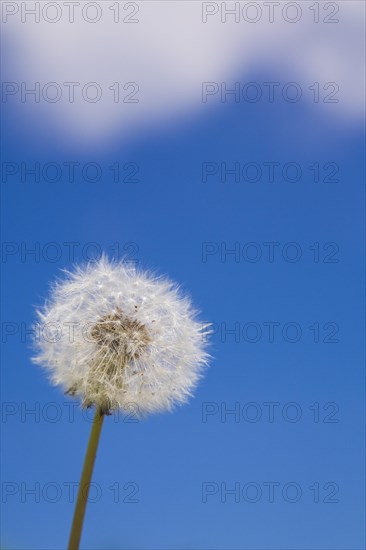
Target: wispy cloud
<point>160,52</point>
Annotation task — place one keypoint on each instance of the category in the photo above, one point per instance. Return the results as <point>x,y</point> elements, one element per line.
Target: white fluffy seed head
<point>118,337</point>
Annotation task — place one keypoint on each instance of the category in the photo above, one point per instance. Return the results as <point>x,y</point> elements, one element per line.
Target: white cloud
<point>169,53</point>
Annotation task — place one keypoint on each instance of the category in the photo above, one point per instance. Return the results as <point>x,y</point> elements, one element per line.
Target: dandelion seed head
<point>114,336</point>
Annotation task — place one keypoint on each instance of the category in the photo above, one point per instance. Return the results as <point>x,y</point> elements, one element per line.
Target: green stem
<point>86,476</point>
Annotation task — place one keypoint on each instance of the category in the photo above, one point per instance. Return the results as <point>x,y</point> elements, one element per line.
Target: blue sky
<point>180,467</point>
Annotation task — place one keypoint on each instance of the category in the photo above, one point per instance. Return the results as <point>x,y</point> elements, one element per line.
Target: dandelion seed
<point>125,323</point>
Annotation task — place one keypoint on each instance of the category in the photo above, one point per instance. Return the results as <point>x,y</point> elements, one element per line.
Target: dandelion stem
<point>86,476</point>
